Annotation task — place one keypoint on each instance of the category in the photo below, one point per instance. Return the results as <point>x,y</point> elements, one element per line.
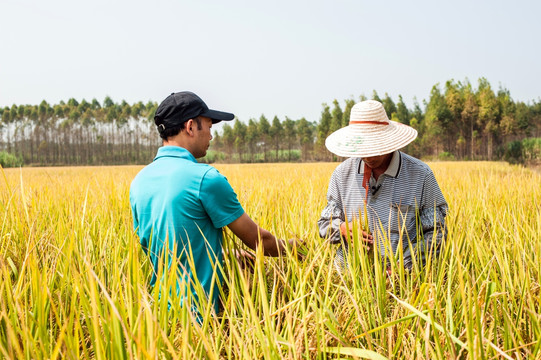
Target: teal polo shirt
<point>180,206</point>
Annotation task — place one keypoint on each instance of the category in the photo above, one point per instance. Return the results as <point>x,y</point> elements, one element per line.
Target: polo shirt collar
<point>392,170</point>
<point>174,151</point>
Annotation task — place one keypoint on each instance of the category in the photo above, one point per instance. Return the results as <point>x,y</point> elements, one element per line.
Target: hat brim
<point>218,116</point>
<point>365,140</point>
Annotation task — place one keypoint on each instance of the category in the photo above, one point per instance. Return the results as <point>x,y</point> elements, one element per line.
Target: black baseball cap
<point>182,106</point>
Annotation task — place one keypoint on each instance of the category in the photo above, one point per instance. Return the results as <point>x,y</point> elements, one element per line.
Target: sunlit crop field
<point>74,281</point>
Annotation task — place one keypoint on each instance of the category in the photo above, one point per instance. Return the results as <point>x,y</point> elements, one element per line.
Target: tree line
<point>80,133</point>
<point>458,121</point>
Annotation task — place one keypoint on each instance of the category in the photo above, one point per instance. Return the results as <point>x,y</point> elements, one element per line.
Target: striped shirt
<point>405,205</point>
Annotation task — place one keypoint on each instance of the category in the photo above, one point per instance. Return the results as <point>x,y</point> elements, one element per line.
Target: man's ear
<point>189,127</point>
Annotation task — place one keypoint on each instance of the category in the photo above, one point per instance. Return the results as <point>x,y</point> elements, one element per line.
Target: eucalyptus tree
<point>489,114</point>
<point>305,131</point>
<point>376,97</point>
<point>454,100</point>
<point>264,135</point>
<point>31,116</point>
<point>336,116</point>
<point>252,138</point>
<point>323,130</point>
<point>347,111</point>
<point>402,111</point>
<point>528,120</point>
<point>469,117</point>
<point>276,134</point>
<point>437,119</point>
<point>7,120</point>
<point>42,129</point>
<point>228,138</point>
<point>240,138</point>
<point>389,105</point>
<point>535,113</point>
<point>290,135</point>
<point>508,124</point>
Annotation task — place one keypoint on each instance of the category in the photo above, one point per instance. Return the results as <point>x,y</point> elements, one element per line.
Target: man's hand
<point>367,239</point>
<point>297,248</point>
<point>245,259</point>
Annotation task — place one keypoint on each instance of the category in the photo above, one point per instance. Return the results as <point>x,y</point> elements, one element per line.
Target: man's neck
<point>178,140</point>
<point>376,172</point>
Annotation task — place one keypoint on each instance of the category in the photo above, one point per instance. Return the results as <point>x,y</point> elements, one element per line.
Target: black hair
<point>167,132</point>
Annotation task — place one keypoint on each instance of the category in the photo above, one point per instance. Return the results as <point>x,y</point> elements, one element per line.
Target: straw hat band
<point>369,122</point>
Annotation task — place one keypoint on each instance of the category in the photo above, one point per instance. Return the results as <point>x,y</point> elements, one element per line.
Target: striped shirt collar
<point>392,170</point>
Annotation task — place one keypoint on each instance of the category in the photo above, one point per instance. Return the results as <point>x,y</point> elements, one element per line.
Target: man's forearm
<point>272,246</point>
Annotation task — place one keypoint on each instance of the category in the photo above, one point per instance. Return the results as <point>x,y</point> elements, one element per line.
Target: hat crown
<point>178,108</point>
<point>368,112</point>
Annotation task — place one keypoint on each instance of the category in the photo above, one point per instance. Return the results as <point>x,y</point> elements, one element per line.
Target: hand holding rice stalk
<point>298,248</point>
<point>351,229</point>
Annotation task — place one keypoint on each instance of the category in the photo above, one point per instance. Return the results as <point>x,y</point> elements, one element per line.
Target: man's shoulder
<point>205,173</point>
<point>205,169</point>
<point>211,177</point>
<point>210,171</point>
<point>161,170</point>
<point>414,163</point>
<point>347,169</point>
<point>140,177</point>
<point>181,165</point>
<point>348,165</point>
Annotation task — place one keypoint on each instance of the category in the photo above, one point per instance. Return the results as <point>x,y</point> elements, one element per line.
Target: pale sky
<point>279,57</point>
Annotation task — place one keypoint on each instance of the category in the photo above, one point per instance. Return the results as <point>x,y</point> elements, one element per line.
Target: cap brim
<point>218,116</point>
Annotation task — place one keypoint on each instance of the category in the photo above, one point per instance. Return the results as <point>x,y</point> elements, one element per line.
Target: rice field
<point>74,281</point>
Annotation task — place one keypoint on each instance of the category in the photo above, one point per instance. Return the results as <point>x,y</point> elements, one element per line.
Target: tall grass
<point>74,281</point>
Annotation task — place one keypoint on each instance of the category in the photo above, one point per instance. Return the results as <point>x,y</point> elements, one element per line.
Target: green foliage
<point>276,134</point>
<point>347,111</point>
<point>389,105</point>
<point>5,115</point>
<point>285,155</point>
<point>531,148</point>
<point>376,97</point>
<point>526,151</point>
<point>402,111</point>
<point>446,156</point>
<point>513,152</point>
<point>336,116</point>
<point>239,129</point>
<point>9,160</point>
<point>212,157</point>
<point>108,102</point>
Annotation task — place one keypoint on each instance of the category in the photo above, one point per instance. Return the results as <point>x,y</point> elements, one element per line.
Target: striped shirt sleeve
<point>333,214</point>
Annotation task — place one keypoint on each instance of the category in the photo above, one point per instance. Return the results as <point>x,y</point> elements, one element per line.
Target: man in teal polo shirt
<point>179,206</point>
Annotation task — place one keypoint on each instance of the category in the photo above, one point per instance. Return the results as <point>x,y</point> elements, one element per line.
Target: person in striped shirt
<point>391,199</point>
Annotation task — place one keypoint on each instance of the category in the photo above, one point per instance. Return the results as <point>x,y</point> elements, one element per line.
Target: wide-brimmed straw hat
<point>369,133</point>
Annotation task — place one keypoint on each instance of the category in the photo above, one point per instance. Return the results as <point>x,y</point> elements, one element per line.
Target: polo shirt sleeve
<point>332,215</point>
<point>219,199</point>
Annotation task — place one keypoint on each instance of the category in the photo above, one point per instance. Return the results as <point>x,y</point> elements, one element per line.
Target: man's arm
<point>222,206</point>
<point>254,236</point>
<point>333,215</point>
